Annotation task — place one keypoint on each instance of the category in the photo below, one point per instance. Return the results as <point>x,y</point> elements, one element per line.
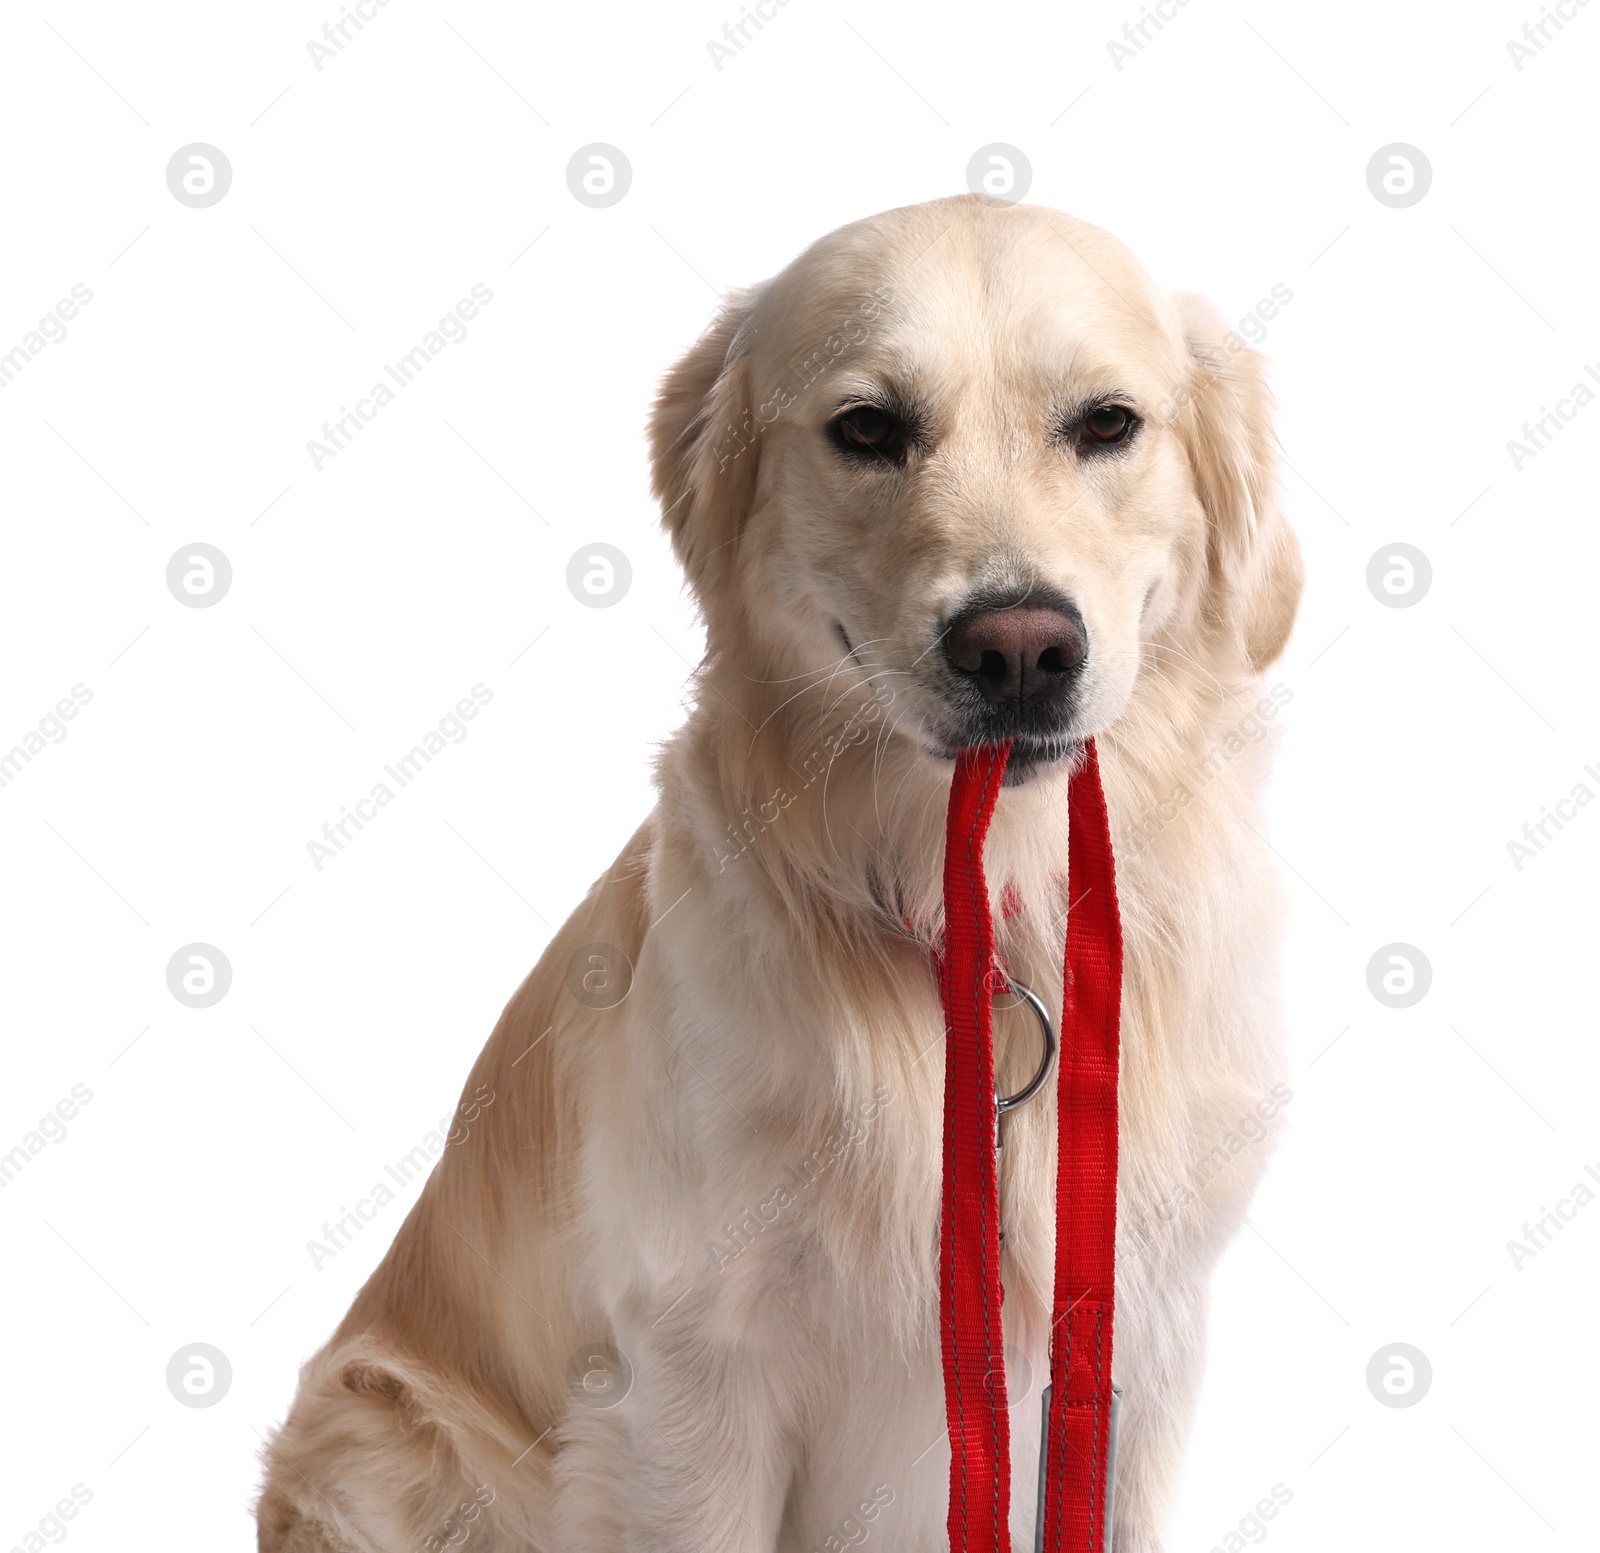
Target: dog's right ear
<point>704,444</point>
<point>1225,420</point>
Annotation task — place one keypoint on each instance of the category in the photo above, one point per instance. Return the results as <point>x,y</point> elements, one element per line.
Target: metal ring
<point>1006,1103</point>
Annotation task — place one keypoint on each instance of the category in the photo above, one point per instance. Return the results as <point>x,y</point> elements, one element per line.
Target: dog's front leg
<point>711,1456</point>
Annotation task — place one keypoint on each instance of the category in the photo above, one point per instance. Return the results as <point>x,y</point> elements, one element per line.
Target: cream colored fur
<point>732,1177</point>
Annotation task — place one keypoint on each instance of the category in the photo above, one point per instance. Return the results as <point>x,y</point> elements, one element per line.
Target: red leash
<point>1076,1466</point>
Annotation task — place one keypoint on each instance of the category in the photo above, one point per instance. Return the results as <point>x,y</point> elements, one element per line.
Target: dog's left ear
<point>1225,420</point>
<point>704,444</point>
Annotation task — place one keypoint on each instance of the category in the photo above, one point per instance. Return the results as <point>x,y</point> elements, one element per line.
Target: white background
<point>369,596</point>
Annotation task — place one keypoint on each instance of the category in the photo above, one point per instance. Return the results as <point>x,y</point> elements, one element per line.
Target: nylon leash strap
<point>1077,1455</point>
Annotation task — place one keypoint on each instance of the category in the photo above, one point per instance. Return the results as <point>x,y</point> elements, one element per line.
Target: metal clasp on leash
<point>1004,1104</point>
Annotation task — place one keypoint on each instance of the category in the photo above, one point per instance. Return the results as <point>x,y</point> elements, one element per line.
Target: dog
<point>960,474</point>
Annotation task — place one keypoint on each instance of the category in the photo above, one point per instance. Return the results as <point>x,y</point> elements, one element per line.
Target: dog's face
<point>964,450</point>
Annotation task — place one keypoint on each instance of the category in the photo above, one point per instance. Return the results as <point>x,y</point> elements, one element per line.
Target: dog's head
<point>969,452</point>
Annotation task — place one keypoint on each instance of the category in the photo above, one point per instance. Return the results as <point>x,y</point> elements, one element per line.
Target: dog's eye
<point>1107,424</point>
<point>867,431</point>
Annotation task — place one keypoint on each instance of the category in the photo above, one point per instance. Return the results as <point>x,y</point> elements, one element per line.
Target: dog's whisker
<point>817,677</point>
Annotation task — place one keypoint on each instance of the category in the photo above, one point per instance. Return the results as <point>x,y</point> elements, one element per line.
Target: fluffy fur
<point>732,1176</point>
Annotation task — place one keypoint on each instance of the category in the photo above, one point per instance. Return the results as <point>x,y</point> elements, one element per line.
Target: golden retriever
<point>960,473</point>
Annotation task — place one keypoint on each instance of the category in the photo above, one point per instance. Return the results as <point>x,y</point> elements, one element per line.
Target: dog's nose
<point>1021,655</point>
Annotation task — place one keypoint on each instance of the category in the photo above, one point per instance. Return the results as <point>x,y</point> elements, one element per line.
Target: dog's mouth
<point>1031,756</point>
<point>1037,757</point>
